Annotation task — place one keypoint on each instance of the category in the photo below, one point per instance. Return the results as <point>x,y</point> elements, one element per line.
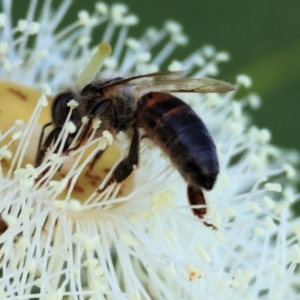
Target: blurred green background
<point>262,36</point>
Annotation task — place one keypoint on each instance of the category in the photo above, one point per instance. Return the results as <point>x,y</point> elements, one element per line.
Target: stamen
<point>22,25</point>
<point>108,33</point>
<point>244,80</point>
<point>94,65</point>
<point>254,101</point>
<point>45,88</point>
<point>208,51</point>
<point>101,8</point>
<point>164,53</point>
<point>275,187</point>
<point>59,15</point>
<point>175,66</point>
<point>120,42</point>
<point>2,19</point>
<point>222,56</point>
<point>4,47</point>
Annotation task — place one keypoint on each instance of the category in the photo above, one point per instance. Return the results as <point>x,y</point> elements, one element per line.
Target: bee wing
<point>172,82</point>
<point>146,79</point>
<point>188,85</point>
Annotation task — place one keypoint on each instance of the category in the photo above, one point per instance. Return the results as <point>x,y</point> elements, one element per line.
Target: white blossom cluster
<point>145,244</point>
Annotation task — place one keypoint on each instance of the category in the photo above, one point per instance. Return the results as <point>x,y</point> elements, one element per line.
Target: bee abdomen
<point>182,135</point>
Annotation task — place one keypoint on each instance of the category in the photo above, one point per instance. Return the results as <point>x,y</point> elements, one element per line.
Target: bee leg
<point>91,165</point>
<point>196,197</point>
<point>3,225</point>
<point>53,135</point>
<point>145,136</point>
<point>129,163</point>
<point>42,135</point>
<point>126,166</point>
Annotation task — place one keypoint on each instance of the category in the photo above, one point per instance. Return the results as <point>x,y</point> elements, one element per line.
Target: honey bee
<point>144,102</point>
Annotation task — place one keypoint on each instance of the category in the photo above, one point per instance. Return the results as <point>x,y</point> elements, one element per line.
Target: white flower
<point>62,238</point>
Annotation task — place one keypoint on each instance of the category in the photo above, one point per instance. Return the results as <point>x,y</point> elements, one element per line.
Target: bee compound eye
<point>60,109</point>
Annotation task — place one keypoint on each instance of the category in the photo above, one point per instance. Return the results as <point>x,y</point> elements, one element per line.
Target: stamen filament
<point>93,66</point>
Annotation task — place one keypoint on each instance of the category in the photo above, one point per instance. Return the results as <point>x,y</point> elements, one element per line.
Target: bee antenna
<point>92,68</point>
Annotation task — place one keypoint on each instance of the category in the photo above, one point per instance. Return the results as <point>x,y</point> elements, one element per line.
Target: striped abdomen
<point>175,127</point>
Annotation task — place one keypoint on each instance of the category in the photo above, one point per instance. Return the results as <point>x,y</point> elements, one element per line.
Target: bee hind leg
<point>129,163</point>
<point>196,197</point>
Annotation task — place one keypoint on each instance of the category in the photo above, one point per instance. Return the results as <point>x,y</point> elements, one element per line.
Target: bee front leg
<point>42,135</point>
<point>129,163</point>
<point>41,152</point>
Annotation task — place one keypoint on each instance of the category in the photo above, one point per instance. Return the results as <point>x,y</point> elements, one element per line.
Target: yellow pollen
<point>25,99</point>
